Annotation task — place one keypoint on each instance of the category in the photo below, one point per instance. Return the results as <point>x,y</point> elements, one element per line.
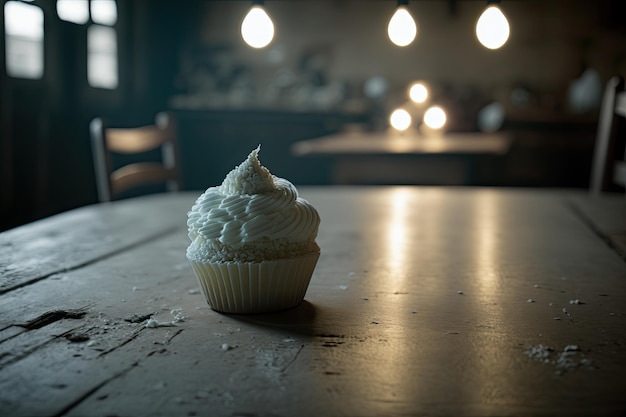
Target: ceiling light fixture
<point>257,28</point>
<point>492,27</point>
<point>402,29</point>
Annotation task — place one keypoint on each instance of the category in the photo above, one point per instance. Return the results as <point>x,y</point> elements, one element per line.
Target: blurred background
<point>330,68</point>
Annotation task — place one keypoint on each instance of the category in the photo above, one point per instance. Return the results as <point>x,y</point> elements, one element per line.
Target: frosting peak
<point>252,216</point>
<point>250,177</point>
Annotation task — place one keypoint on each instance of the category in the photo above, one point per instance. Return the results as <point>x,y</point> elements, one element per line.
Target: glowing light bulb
<point>435,117</point>
<point>400,119</point>
<point>402,28</point>
<point>257,29</point>
<point>418,93</point>
<point>492,28</point>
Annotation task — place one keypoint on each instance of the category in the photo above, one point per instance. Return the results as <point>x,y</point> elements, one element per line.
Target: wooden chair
<point>608,171</point>
<point>107,141</point>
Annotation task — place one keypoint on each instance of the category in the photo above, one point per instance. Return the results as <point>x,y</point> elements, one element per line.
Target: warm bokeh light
<point>435,117</point>
<point>492,28</point>
<point>418,93</point>
<point>402,28</point>
<point>257,28</point>
<point>400,119</point>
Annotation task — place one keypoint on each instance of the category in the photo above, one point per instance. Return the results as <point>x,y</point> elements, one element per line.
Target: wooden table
<point>390,157</point>
<point>425,301</point>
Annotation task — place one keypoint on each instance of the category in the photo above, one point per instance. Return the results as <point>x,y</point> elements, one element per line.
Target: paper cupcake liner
<point>239,287</point>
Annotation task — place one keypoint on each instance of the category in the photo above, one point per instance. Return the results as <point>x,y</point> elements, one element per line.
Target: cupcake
<point>253,246</point>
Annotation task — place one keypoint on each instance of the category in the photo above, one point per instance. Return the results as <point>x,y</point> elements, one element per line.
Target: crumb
<point>530,300</point>
<point>343,287</point>
<point>536,285</point>
<point>576,301</point>
<point>194,291</point>
<point>351,274</point>
<point>178,315</point>
<point>364,298</point>
<point>460,292</point>
<point>569,316</point>
<point>152,323</point>
<point>226,347</point>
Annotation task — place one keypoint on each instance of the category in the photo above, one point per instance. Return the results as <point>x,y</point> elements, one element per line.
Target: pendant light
<point>257,28</point>
<point>402,29</point>
<point>492,27</point>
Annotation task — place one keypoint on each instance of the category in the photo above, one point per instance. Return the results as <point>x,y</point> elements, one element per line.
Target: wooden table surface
<point>425,302</point>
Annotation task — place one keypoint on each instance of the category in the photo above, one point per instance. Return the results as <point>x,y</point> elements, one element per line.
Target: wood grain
<point>70,240</point>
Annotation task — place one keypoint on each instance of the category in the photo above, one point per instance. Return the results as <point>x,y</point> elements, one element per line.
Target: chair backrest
<point>113,180</point>
<point>608,171</point>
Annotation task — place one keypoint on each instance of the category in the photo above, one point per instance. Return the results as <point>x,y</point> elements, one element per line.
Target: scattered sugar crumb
<point>351,274</point>
<point>576,301</point>
<point>343,287</point>
<point>226,346</point>
<point>136,289</point>
<point>364,298</point>
<point>152,323</point>
<point>194,291</point>
<point>178,315</point>
<point>568,359</point>
<point>530,300</point>
<point>460,292</point>
<point>289,340</point>
<point>569,316</point>
<point>536,285</point>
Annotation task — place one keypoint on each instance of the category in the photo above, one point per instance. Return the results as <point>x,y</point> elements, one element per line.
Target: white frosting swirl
<point>250,207</point>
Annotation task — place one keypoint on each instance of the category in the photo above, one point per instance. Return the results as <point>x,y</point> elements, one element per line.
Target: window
<point>23,40</point>
<point>102,61</point>
<point>75,11</point>
<point>104,12</point>
<point>102,57</point>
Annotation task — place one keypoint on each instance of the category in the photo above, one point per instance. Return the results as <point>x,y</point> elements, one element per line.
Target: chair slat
<point>110,180</point>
